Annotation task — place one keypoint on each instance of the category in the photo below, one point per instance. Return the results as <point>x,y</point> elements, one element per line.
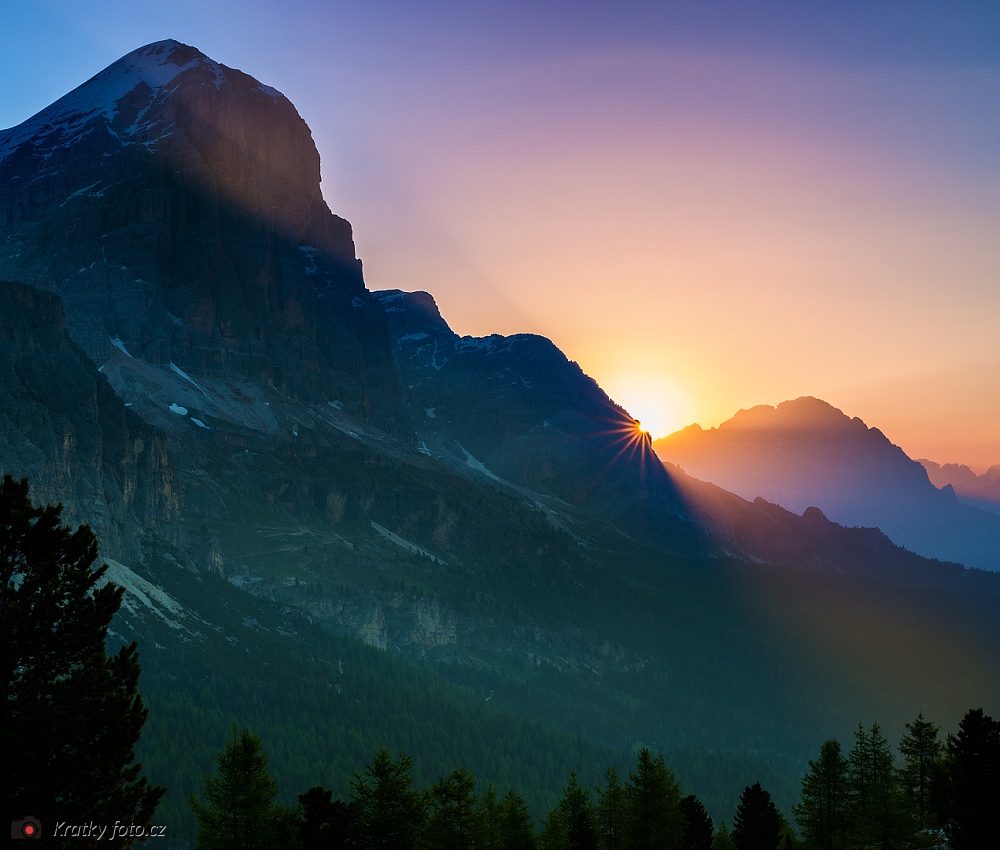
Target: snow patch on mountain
<point>478,466</point>
<point>117,343</point>
<point>386,299</point>
<point>178,371</point>
<point>311,255</point>
<point>403,543</point>
<point>479,343</point>
<point>142,595</point>
<point>85,191</point>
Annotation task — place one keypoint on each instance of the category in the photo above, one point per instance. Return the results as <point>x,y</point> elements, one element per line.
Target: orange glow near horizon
<point>701,260</point>
<point>707,212</point>
<point>648,396</point>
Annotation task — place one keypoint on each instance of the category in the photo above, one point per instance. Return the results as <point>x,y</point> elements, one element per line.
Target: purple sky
<point>709,206</point>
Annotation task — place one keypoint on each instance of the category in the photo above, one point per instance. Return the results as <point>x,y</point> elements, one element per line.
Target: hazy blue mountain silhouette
<point>980,491</point>
<point>807,453</point>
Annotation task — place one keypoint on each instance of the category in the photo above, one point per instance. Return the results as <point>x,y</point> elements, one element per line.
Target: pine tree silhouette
<point>756,825</point>
<point>70,715</point>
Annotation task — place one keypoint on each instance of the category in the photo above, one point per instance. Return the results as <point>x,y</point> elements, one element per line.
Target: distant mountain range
<point>806,453</point>
<point>981,491</point>
<point>192,363</point>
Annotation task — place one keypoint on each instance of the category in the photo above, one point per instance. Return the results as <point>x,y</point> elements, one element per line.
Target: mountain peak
<point>156,64</point>
<point>151,69</point>
<point>810,406</point>
<point>167,51</point>
<point>806,412</point>
<point>252,276</point>
<point>805,453</point>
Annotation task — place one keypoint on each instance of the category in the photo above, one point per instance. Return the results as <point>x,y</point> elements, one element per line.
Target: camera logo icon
<point>27,828</point>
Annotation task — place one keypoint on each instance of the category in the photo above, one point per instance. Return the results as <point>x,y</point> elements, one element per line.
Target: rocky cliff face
<point>175,205</point>
<point>63,427</point>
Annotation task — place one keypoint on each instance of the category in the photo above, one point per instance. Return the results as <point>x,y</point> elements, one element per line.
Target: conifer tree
<point>325,822</point>
<point>789,840</point>
<point>822,808</point>
<point>974,780</point>
<point>922,753</point>
<point>554,833</point>
<point>516,829</point>
<point>859,783</point>
<point>241,812</point>
<point>698,828</point>
<point>653,817</point>
<point>611,811</point>
<point>576,808</point>
<point>70,715</point>
<point>889,815</point>
<point>389,812</point>
<point>877,813</point>
<point>756,825</point>
<point>453,819</point>
<point>723,840</point>
<point>506,823</point>
<point>489,818</point>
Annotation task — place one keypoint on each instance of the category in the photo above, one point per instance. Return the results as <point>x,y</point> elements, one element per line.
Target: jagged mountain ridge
<point>169,106</point>
<point>806,453</point>
<point>814,543</point>
<point>516,409</point>
<point>209,309</point>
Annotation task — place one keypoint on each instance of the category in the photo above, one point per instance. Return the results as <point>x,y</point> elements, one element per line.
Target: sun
<point>632,442</point>
<point>654,402</point>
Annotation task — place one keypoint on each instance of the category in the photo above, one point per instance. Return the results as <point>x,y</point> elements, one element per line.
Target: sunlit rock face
<point>175,205</point>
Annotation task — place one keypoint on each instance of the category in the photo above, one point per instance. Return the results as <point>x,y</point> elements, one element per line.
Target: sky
<point>708,206</point>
